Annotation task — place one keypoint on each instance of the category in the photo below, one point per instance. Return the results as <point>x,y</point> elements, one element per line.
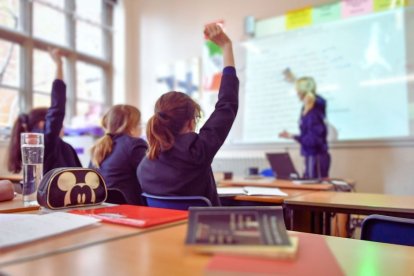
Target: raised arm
<point>215,33</point>
<point>57,58</point>
<point>214,132</point>
<point>56,112</point>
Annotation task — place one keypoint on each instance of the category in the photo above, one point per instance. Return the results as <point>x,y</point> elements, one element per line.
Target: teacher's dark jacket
<point>185,169</point>
<point>313,130</point>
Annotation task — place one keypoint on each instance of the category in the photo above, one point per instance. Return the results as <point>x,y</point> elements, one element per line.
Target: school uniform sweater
<point>119,167</point>
<point>185,169</point>
<point>57,152</point>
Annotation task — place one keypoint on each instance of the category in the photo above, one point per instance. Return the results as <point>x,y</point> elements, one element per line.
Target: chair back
<point>115,196</point>
<point>175,202</point>
<point>388,229</point>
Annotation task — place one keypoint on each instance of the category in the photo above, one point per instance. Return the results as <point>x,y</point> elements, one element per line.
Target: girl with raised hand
<point>48,121</point>
<point>179,160</point>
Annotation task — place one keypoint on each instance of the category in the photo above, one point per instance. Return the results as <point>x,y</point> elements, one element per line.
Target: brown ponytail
<point>172,111</point>
<point>120,119</point>
<point>24,123</point>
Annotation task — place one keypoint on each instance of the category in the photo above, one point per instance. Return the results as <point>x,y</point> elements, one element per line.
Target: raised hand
<point>285,134</point>
<point>216,34</point>
<point>57,58</point>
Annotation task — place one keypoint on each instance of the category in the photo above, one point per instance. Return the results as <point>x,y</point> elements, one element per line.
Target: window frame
<point>23,36</point>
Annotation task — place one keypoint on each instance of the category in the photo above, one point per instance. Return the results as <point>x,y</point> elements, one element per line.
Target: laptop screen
<point>282,165</point>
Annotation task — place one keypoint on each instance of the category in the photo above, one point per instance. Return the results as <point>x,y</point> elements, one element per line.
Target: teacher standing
<point>313,131</point>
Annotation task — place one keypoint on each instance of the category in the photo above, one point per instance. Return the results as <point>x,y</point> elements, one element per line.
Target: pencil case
<point>71,187</point>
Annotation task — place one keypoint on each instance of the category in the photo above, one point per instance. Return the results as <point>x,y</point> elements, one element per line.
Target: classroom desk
<point>80,238</point>
<point>12,177</point>
<point>350,203</point>
<point>163,253</point>
<point>16,205</point>
<point>274,183</point>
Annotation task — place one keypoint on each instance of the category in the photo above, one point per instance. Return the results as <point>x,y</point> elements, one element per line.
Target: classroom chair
<point>115,196</point>
<point>175,202</point>
<point>388,229</point>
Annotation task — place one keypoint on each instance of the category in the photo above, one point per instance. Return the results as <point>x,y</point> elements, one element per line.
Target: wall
<point>165,31</point>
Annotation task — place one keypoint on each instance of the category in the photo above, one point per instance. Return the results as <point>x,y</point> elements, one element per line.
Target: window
<point>53,10</point>
<point>9,15</point>
<point>90,96</point>
<point>89,37</point>
<point>9,81</point>
<point>82,29</point>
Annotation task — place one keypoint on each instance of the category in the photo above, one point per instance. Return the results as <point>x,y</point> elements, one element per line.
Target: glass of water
<point>32,147</point>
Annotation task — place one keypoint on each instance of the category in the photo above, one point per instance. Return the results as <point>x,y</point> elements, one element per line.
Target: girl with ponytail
<point>179,160</point>
<point>117,154</point>
<point>48,121</point>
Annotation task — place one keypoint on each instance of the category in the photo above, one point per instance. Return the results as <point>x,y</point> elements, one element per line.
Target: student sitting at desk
<point>179,160</point>
<point>48,121</point>
<point>117,154</point>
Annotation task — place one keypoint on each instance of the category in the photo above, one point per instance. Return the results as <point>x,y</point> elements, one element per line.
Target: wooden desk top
<point>274,199</point>
<point>104,232</point>
<point>11,177</point>
<point>163,253</point>
<point>355,201</point>
<point>16,205</point>
<point>275,183</point>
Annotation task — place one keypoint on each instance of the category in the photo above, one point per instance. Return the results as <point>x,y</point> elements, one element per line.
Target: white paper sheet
<point>14,231</point>
<point>250,190</point>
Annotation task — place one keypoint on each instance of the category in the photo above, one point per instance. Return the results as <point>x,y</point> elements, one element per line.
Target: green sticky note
<point>326,13</point>
<point>382,5</point>
<point>213,48</point>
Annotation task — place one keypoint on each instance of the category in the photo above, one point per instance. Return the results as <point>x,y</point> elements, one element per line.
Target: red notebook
<point>132,215</point>
<point>313,258</point>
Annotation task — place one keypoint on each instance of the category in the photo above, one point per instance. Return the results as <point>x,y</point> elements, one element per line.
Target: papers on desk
<point>250,190</point>
<point>17,229</point>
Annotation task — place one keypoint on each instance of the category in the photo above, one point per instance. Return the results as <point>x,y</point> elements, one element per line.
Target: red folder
<point>132,215</point>
<point>313,258</point>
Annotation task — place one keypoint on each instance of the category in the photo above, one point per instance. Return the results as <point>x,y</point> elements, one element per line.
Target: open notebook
<point>249,190</point>
<point>16,229</point>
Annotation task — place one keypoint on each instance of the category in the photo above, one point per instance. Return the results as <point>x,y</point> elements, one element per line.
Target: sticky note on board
<point>382,5</point>
<point>356,7</point>
<point>298,18</point>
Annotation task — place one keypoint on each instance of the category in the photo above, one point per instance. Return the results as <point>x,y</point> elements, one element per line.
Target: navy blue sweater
<point>313,130</point>
<point>119,167</point>
<point>58,153</point>
<point>185,169</point>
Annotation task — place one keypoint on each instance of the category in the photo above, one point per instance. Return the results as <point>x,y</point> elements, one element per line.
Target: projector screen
<point>363,67</point>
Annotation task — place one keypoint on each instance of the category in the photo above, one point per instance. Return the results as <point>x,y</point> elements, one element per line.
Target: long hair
<point>172,111</point>
<point>120,119</point>
<point>24,123</point>
<point>306,87</point>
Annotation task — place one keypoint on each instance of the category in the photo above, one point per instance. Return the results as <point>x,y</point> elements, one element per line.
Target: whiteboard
<point>363,68</point>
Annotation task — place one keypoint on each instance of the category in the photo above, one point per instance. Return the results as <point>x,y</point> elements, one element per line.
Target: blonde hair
<point>120,119</point>
<point>172,111</point>
<point>306,86</point>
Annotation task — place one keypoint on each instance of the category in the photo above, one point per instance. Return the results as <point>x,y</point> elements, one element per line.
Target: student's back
<point>179,160</point>
<point>118,153</point>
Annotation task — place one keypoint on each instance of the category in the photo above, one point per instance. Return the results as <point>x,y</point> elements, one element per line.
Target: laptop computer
<point>283,168</point>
